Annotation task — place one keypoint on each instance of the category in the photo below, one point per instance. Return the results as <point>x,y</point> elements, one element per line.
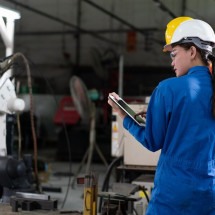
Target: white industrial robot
<point>15,174</point>
<point>9,104</point>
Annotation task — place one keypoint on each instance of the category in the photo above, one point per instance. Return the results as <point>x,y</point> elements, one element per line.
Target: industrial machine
<point>16,173</point>
<point>90,194</point>
<point>136,158</point>
<point>19,184</point>
<point>124,144</point>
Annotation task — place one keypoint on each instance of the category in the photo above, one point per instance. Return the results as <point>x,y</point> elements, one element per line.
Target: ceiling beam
<point>139,30</point>
<point>115,16</point>
<point>81,30</point>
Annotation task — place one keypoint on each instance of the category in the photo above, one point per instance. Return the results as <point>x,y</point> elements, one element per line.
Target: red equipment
<point>67,112</point>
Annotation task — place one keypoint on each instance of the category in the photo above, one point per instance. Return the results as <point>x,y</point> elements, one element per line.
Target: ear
<point>193,52</point>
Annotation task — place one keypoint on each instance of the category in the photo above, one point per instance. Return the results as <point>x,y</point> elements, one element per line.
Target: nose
<point>172,63</point>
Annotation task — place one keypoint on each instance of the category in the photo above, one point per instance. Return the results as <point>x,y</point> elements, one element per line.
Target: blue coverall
<point>179,121</point>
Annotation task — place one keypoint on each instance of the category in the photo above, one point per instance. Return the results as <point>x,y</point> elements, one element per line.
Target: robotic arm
<point>9,104</point>
<point>16,175</point>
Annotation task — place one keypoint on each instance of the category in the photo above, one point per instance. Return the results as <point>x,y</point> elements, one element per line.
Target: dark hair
<point>207,58</point>
<point>203,53</point>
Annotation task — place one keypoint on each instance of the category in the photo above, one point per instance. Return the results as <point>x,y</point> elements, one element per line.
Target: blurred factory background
<point>110,45</point>
<point>87,38</point>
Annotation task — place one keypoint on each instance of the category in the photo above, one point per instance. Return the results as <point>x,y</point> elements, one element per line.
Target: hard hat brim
<point>167,48</point>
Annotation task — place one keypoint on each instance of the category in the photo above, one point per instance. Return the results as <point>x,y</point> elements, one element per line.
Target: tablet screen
<point>125,107</point>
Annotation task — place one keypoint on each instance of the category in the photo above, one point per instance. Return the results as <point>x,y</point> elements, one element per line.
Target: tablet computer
<point>125,107</point>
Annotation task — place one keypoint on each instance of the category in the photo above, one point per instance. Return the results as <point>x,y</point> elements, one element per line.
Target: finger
<point>115,95</point>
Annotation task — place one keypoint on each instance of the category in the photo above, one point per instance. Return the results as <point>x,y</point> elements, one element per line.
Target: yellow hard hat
<point>172,26</point>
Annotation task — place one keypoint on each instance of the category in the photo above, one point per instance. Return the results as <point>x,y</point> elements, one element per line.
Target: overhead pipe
<point>139,30</point>
<point>62,21</point>
<point>164,8</point>
<point>103,31</point>
<point>114,16</point>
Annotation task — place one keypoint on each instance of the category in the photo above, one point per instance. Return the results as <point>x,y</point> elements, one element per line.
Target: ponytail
<point>210,58</point>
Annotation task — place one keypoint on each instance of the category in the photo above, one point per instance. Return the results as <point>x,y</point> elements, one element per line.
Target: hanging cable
<point>4,66</point>
<point>105,184</point>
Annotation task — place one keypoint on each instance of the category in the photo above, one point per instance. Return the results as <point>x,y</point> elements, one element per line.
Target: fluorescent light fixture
<point>9,14</point>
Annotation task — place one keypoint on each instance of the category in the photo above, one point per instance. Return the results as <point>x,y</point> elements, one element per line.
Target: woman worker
<point>180,121</point>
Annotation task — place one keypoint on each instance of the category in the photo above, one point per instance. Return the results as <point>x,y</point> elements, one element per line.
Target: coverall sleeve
<point>152,136</point>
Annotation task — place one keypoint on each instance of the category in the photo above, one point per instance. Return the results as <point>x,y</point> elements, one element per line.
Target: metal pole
<point>121,71</point>
<point>78,37</point>
<point>184,2</point>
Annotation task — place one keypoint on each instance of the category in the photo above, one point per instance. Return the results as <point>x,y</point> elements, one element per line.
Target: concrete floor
<point>57,179</point>
<point>60,175</point>
<point>71,197</point>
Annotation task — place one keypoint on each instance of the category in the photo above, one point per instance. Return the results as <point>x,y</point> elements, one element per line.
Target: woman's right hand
<point>116,108</point>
